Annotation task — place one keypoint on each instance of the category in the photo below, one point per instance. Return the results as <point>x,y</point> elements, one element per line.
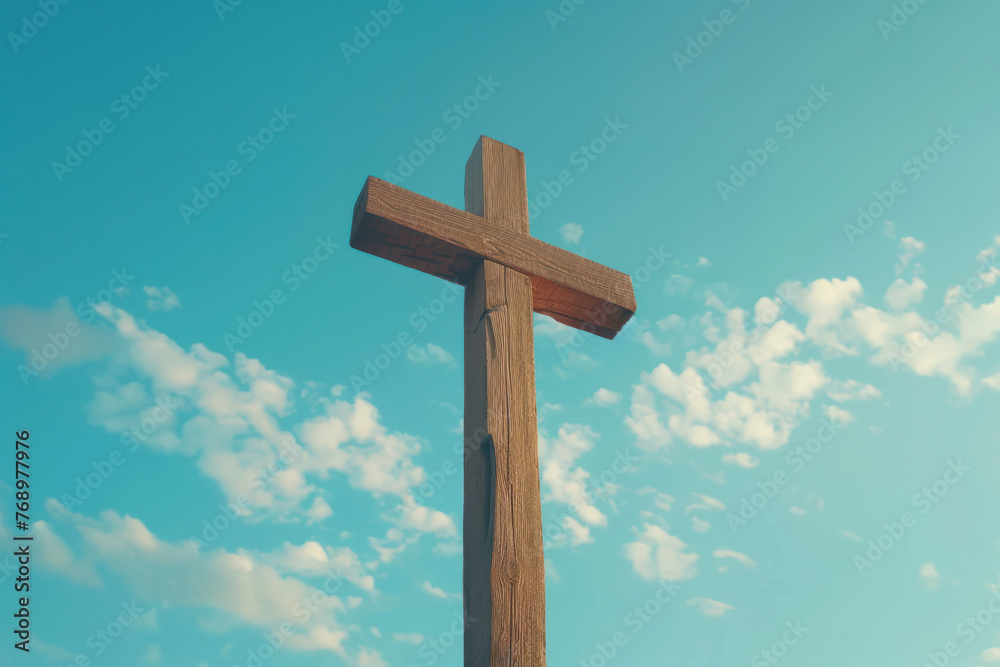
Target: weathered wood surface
<point>504,572</point>
<point>507,275</point>
<point>413,230</point>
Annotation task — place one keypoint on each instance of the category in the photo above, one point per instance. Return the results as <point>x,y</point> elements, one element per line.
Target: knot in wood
<point>509,570</point>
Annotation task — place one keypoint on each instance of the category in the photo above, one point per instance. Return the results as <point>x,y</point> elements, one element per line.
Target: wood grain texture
<point>407,228</point>
<point>503,569</point>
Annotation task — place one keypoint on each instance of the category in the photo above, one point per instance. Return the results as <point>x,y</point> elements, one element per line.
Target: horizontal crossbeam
<point>410,229</point>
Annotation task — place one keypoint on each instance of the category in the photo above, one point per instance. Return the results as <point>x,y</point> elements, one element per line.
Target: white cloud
<point>901,341</point>
<point>161,298</point>
<point>153,655</point>
<point>825,302</point>
<point>414,638</point>
<point>677,285</point>
<point>909,248</point>
<point>555,331</point>
<point>655,346</point>
<point>991,655</point>
<point>238,584</point>
<point>312,559</point>
<point>368,657</point>
<point>902,295</point>
<point>742,459</point>
<point>705,503</point>
<point>52,652</point>
<point>851,390</point>
<point>699,526</point>
<point>644,419</point>
<point>46,337</point>
<point>946,345</point>
<point>393,544</point>
<point>604,397</point>
<point>750,563</point>
<point>429,355</point>
<point>452,548</point>
<point>564,481</point>
<point>703,261</point>
<point>574,532</point>
<point>567,340</point>
<point>664,501</point>
<point>787,386</point>
<point>993,381</point>
<point>431,589</point>
<point>929,575</point>
<point>319,510</point>
<point>376,461</point>
<point>838,415</point>
<point>710,608</point>
<point>777,342</point>
<point>425,520</point>
<point>657,554</point>
<point>671,322</point>
<point>763,416</point>
<point>571,232</point>
<point>745,390</point>
<point>53,554</point>
<point>227,416</point>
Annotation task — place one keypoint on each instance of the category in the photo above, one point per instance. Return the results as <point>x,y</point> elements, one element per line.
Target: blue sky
<point>788,457</point>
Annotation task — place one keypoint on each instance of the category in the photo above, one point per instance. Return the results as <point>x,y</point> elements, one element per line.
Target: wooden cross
<point>507,274</point>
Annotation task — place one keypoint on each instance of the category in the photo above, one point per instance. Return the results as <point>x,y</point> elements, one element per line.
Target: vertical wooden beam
<point>504,572</point>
